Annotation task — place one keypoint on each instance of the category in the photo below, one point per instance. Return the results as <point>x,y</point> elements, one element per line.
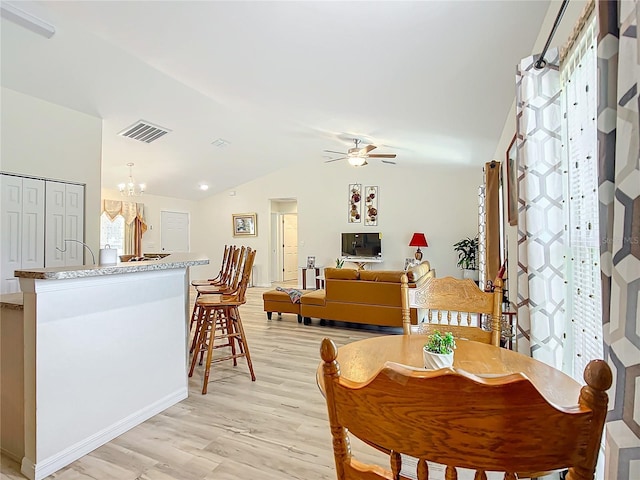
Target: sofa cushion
<point>418,271</point>
<point>341,273</point>
<point>314,297</point>
<point>392,276</point>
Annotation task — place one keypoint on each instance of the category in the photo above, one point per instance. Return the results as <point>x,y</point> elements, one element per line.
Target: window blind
<point>584,302</point>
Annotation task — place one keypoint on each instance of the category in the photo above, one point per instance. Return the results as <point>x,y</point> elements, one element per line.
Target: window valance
<point>129,210</point>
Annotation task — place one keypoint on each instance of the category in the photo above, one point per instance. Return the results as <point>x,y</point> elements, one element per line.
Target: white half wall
<point>45,140</point>
<point>439,201</point>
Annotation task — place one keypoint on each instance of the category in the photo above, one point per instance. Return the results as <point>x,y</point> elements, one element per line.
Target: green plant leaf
<point>440,343</point>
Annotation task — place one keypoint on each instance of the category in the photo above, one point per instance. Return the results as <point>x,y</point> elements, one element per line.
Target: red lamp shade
<point>418,240</point>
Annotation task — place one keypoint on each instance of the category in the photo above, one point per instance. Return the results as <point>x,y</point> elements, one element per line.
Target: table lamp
<point>418,240</point>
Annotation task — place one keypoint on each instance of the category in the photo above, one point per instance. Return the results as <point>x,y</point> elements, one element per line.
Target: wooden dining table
<point>361,360</point>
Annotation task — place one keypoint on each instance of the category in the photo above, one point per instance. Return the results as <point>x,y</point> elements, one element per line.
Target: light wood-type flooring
<point>273,428</point>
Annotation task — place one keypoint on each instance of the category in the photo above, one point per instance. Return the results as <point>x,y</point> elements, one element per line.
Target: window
<point>580,150</point>
<point>112,232</point>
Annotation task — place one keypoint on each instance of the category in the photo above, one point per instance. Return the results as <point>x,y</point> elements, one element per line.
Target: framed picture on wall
<point>245,224</point>
<point>512,182</point>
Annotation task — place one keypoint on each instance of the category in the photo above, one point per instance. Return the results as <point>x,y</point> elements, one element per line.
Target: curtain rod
<point>541,61</point>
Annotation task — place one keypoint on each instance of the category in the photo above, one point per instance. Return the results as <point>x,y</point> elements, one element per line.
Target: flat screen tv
<point>362,245</point>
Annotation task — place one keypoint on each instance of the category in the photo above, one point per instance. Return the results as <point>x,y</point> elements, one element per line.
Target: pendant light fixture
<point>130,188</point>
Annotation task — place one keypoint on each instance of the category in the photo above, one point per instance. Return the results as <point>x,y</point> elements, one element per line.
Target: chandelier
<point>130,189</point>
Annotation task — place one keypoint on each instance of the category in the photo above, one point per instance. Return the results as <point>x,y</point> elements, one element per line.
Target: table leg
<point>304,278</point>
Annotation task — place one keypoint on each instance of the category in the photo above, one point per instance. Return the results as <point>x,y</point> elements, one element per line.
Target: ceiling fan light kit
<point>357,157</point>
<point>357,161</point>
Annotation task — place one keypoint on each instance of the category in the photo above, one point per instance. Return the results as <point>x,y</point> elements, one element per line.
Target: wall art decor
<point>245,224</point>
<point>371,205</point>
<point>355,203</point>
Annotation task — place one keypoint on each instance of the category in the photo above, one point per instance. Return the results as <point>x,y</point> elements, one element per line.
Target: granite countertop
<point>12,301</point>
<point>175,260</point>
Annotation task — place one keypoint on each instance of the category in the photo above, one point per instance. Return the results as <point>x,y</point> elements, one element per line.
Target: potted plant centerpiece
<point>467,257</point>
<point>438,351</point>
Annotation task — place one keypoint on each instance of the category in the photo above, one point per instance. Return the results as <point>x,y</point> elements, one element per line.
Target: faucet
<point>93,257</point>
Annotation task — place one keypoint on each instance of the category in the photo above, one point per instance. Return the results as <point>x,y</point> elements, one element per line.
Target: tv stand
<point>362,261</point>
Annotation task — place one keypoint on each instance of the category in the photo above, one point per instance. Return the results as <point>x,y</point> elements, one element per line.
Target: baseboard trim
<point>54,463</point>
<point>12,455</point>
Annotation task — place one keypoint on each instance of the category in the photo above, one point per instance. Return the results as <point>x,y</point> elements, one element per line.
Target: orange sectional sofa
<point>362,296</point>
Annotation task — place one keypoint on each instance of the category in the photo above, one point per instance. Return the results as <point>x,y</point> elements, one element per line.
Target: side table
<point>304,277</point>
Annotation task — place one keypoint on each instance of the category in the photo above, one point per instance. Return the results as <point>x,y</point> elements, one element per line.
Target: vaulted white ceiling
<point>432,81</point>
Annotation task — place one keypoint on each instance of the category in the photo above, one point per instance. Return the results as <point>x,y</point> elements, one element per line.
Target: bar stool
<point>231,280</point>
<point>219,320</point>
<point>224,272</point>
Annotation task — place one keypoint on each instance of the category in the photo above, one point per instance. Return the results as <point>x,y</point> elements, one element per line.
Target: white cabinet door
<point>22,228</point>
<point>64,224</point>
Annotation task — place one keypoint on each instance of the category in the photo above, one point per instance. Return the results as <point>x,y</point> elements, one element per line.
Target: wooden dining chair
<point>453,305</point>
<point>454,418</point>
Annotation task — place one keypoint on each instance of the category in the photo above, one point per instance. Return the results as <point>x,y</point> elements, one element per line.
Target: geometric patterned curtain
<point>619,198</point>
<point>541,288</point>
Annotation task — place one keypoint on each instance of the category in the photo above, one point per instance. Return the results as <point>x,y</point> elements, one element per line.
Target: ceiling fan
<point>357,156</point>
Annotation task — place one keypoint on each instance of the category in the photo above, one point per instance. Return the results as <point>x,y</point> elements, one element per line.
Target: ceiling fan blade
<point>382,155</point>
<point>334,159</point>
<point>367,149</point>
<point>333,151</point>
<point>388,161</point>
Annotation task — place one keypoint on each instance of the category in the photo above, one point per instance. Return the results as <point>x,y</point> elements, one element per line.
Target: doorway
<point>174,233</point>
<point>284,241</point>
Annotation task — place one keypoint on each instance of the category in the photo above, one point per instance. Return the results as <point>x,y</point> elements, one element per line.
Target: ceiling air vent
<point>144,131</point>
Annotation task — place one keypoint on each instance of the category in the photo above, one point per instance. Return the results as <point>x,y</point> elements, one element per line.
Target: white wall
<point>153,205</point>
<point>439,201</point>
<point>42,139</point>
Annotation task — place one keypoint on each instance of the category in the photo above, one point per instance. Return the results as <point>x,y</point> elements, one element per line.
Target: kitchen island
<point>105,348</point>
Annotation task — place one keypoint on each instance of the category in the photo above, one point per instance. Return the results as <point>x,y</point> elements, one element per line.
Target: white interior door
<point>174,234</point>
<point>275,241</point>
<point>74,225</point>
<point>290,247</point>
<point>32,223</point>
<point>54,225</point>
<point>11,215</point>
<point>64,220</point>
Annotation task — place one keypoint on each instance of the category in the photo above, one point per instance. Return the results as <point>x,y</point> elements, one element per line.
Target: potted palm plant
<point>438,351</point>
<point>467,249</point>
